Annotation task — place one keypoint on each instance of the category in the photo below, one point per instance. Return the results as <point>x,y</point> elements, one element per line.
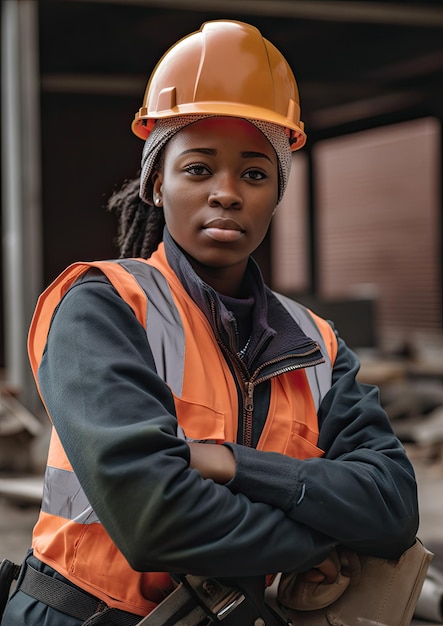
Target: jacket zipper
<point>248,404</point>
<point>249,382</point>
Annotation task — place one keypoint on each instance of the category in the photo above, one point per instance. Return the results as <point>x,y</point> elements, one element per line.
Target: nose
<point>225,193</point>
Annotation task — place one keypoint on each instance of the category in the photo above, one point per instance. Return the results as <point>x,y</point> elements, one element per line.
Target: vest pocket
<point>200,422</point>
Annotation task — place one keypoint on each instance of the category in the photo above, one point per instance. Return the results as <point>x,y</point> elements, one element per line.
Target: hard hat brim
<point>143,121</point>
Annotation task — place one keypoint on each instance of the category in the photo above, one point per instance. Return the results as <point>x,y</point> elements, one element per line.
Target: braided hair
<point>140,225</point>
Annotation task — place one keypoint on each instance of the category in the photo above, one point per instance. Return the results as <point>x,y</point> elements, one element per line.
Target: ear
<point>157,182</point>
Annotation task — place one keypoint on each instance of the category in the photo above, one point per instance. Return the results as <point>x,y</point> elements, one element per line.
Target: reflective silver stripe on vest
<point>167,341</point>
<point>64,497</point>
<point>320,376</point>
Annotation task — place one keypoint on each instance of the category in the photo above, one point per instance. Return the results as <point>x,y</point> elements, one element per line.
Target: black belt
<point>68,599</point>
<point>197,600</point>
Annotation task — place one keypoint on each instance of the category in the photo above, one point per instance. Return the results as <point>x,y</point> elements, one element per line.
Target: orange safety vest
<point>68,536</point>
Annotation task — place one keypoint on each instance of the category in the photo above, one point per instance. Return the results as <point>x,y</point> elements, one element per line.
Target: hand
<point>325,572</point>
<point>213,461</point>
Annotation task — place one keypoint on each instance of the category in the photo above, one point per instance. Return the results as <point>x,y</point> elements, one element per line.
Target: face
<point>218,185</point>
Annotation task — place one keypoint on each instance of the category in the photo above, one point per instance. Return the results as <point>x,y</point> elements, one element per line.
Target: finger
<point>312,576</point>
<point>330,570</point>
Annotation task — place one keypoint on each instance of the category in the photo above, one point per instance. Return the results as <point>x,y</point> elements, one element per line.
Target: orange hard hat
<point>226,68</point>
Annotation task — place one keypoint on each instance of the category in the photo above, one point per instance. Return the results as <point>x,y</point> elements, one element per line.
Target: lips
<point>225,223</point>
<point>224,229</point>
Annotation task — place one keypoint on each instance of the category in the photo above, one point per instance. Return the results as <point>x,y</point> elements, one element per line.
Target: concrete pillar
<point>21,180</point>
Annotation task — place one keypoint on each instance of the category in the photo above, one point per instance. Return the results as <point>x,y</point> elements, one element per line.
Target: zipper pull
<point>249,404</point>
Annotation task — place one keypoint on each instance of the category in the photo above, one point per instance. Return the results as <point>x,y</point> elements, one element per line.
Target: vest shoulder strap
<point>122,280</point>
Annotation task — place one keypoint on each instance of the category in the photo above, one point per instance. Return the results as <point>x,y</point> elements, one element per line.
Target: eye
<point>197,169</point>
<point>255,175</point>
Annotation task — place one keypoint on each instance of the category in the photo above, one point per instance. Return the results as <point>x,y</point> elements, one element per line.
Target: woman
<point>202,423</point>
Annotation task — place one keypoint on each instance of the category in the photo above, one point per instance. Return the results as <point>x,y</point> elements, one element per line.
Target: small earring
<point>158,201</point>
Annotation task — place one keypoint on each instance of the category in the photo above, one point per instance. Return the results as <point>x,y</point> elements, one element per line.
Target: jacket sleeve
<point>115,418</point>
<point>362,491</point>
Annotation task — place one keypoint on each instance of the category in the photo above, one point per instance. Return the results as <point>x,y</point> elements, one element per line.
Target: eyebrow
<point>212,152</point>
